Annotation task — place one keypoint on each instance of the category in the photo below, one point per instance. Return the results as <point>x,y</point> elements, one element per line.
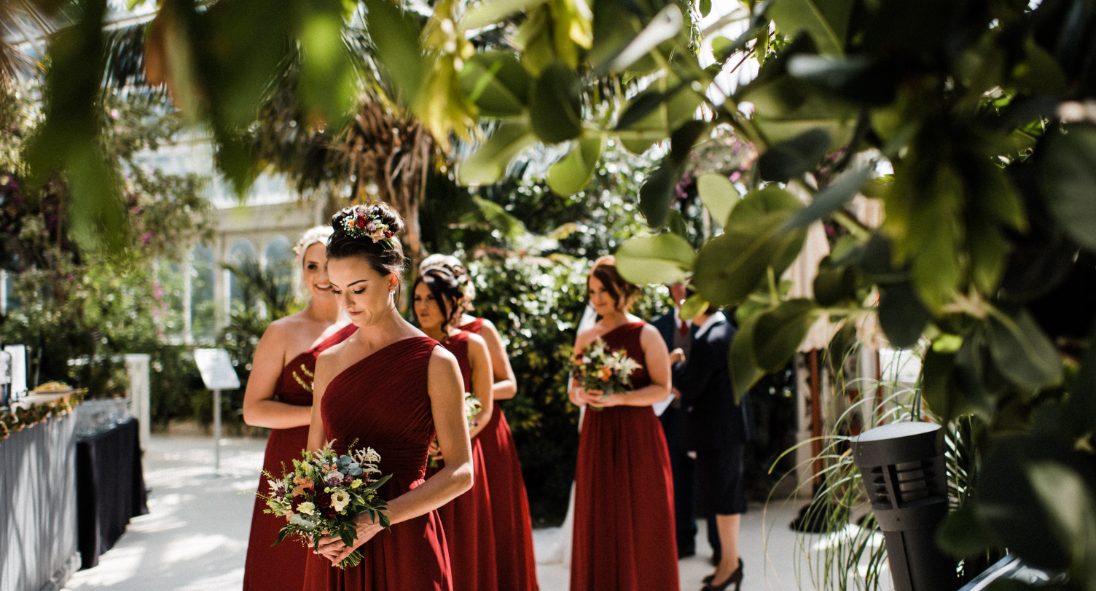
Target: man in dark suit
<point>675,332</point>
<point>718,430</point>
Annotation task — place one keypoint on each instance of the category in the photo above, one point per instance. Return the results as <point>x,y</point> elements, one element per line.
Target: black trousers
<point>673,425</point>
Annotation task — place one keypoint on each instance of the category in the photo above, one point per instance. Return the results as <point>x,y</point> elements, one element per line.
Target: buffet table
<point>38,506</point>
<point>110,488</point>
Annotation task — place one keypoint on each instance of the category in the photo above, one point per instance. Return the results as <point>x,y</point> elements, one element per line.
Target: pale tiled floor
<point>195,537</point>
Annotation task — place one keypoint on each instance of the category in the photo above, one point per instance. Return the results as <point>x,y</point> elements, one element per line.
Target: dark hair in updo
<point>446,290</point>
<point>620,289</point>
<point>385,256</point>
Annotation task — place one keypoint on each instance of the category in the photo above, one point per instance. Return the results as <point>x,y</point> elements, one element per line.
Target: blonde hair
<point>459,272</point>
<point>314,235</point>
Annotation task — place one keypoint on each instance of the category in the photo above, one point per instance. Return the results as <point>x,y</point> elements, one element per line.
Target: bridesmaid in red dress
<point>624,508</point>
<point>279,397</point>
<point>392,388</point>
<point>517,568</point>
<point>467,519</point>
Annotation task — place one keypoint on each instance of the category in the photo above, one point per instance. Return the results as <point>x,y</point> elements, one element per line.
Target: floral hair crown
<point>358,223</point>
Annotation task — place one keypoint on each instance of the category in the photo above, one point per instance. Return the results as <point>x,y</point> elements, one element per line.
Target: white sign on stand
<point>217,374</point>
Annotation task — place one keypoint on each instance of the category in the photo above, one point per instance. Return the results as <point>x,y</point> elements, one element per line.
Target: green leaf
<point>572,173</point>
<point>555,108</point>
<point>664,26</point>
<point>729,267</point>
<point>665,258</point>
<point>758,204</point>
<point>902,315</point>
<point>657,192</point>
<point>487,164</point>
<point>936,372</point>
<point>832,198</point>
<point>780,331</point>
<point>1067,498</point>
<point>791,158</point>
<point>861,79</point>
<point>497,83</point>
<point>718,194</point>
<point>327,79</point>
<point>496,11</point>
<point>705,7</point>
<point>826,21</point>
<point>832,286</point>
<point>1067,174</point>
<point>1022,352</point>
<point>962,534</point>
<point>741,359</point>
<point>693,306</point>
<point>396,36</point>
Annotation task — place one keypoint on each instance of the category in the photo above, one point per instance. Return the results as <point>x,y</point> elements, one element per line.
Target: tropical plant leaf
<point>1022,352</point>
<point>573,172</point>
<point>665,258</point>
<point>487,164</point>
<point>1067,173</point>
<point>718,194</point>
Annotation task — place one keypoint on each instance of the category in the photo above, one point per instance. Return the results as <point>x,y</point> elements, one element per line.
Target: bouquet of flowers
<point>472,408</point>
<point>324,495</point>
<point>598,368</point>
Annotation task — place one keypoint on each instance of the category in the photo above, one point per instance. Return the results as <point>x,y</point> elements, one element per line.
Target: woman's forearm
<point>504,390</point>
<point>447,484</point>
<point>273,414</point>
<point>646,396</point>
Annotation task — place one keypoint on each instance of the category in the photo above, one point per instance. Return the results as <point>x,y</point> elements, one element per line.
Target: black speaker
<point>903,469</point>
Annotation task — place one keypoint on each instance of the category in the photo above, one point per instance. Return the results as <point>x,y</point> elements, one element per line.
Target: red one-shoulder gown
<point>281,567</point>
<point>382,402</point>
<point>624,505</point>
<point>516,565</point>
<point>467,518</point>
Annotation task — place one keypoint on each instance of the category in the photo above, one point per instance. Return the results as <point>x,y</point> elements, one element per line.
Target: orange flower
<point>605,374</point>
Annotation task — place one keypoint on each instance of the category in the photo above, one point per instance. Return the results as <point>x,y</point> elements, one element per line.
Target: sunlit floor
<point>195,537</point>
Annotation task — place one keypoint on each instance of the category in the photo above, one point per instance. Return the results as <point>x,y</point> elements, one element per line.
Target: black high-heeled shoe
<point>736,578</point>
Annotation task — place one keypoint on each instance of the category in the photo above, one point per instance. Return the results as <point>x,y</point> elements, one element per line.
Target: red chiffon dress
<point>382,402</point>
<point>516,565</point>
<point>467,518</point>
<point>281,567</point>
<point>624,504</point>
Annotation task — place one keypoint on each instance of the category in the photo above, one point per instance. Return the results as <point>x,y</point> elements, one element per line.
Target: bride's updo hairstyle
<point>446,290</point>
<point>370,232</point>
<point>622,292</point>
<point>459,272</point>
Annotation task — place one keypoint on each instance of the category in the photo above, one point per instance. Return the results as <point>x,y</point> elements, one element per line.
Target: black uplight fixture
<point>903,469</point>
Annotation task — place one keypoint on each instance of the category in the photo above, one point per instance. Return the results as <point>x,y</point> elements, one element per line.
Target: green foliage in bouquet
<point>325,493</point>
<point>597,367</point>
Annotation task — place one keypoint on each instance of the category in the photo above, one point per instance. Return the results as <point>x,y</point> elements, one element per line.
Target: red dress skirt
<point>467,518</point>
<point>516,565</point>
<point>382,402</point>
<point>624,506</point>
<point>270,567</point>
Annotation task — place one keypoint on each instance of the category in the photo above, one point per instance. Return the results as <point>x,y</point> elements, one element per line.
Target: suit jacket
<point>704,380</point>
<point>666,327</point>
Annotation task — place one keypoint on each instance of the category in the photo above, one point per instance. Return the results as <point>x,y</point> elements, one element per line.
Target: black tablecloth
<point>110,488</point>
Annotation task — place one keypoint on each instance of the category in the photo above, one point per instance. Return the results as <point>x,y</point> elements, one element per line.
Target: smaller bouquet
<point>472,408</point>
<point>324,495</point>
<point>598,368</point>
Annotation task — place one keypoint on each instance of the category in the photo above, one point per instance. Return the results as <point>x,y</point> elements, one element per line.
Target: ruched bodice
<point>295,385</point>
<point>360,405</point>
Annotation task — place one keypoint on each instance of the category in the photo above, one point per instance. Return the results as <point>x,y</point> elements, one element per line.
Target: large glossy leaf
<point>832,198</point>
<point>571,174</point>
<point>742,361</point>
<point>495,11</point>
<point>327,79</point>
<point>758,204</point>
<point>1067,175</point>
<point>496,83</point>
<point>487,164</point>
<point>1022,352</point>
<point>663,27</point>
<point>554,106</point>
<point>779,332</point>
<point>693,306</point>
<point>395,35</point>
<point>655,113</point>
<point>902,315</point>
<point>718,194</point>
<point>826,21</point>
<point>729,267</point>
<point>657,192</point>
<point>791,158</point>
<point>665,258</point>
<point>858,78</point>
<point>833,286</point>
<point>963,534</point>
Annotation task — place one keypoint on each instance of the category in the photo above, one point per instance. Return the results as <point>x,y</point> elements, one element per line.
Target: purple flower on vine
<point>146,238</point>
